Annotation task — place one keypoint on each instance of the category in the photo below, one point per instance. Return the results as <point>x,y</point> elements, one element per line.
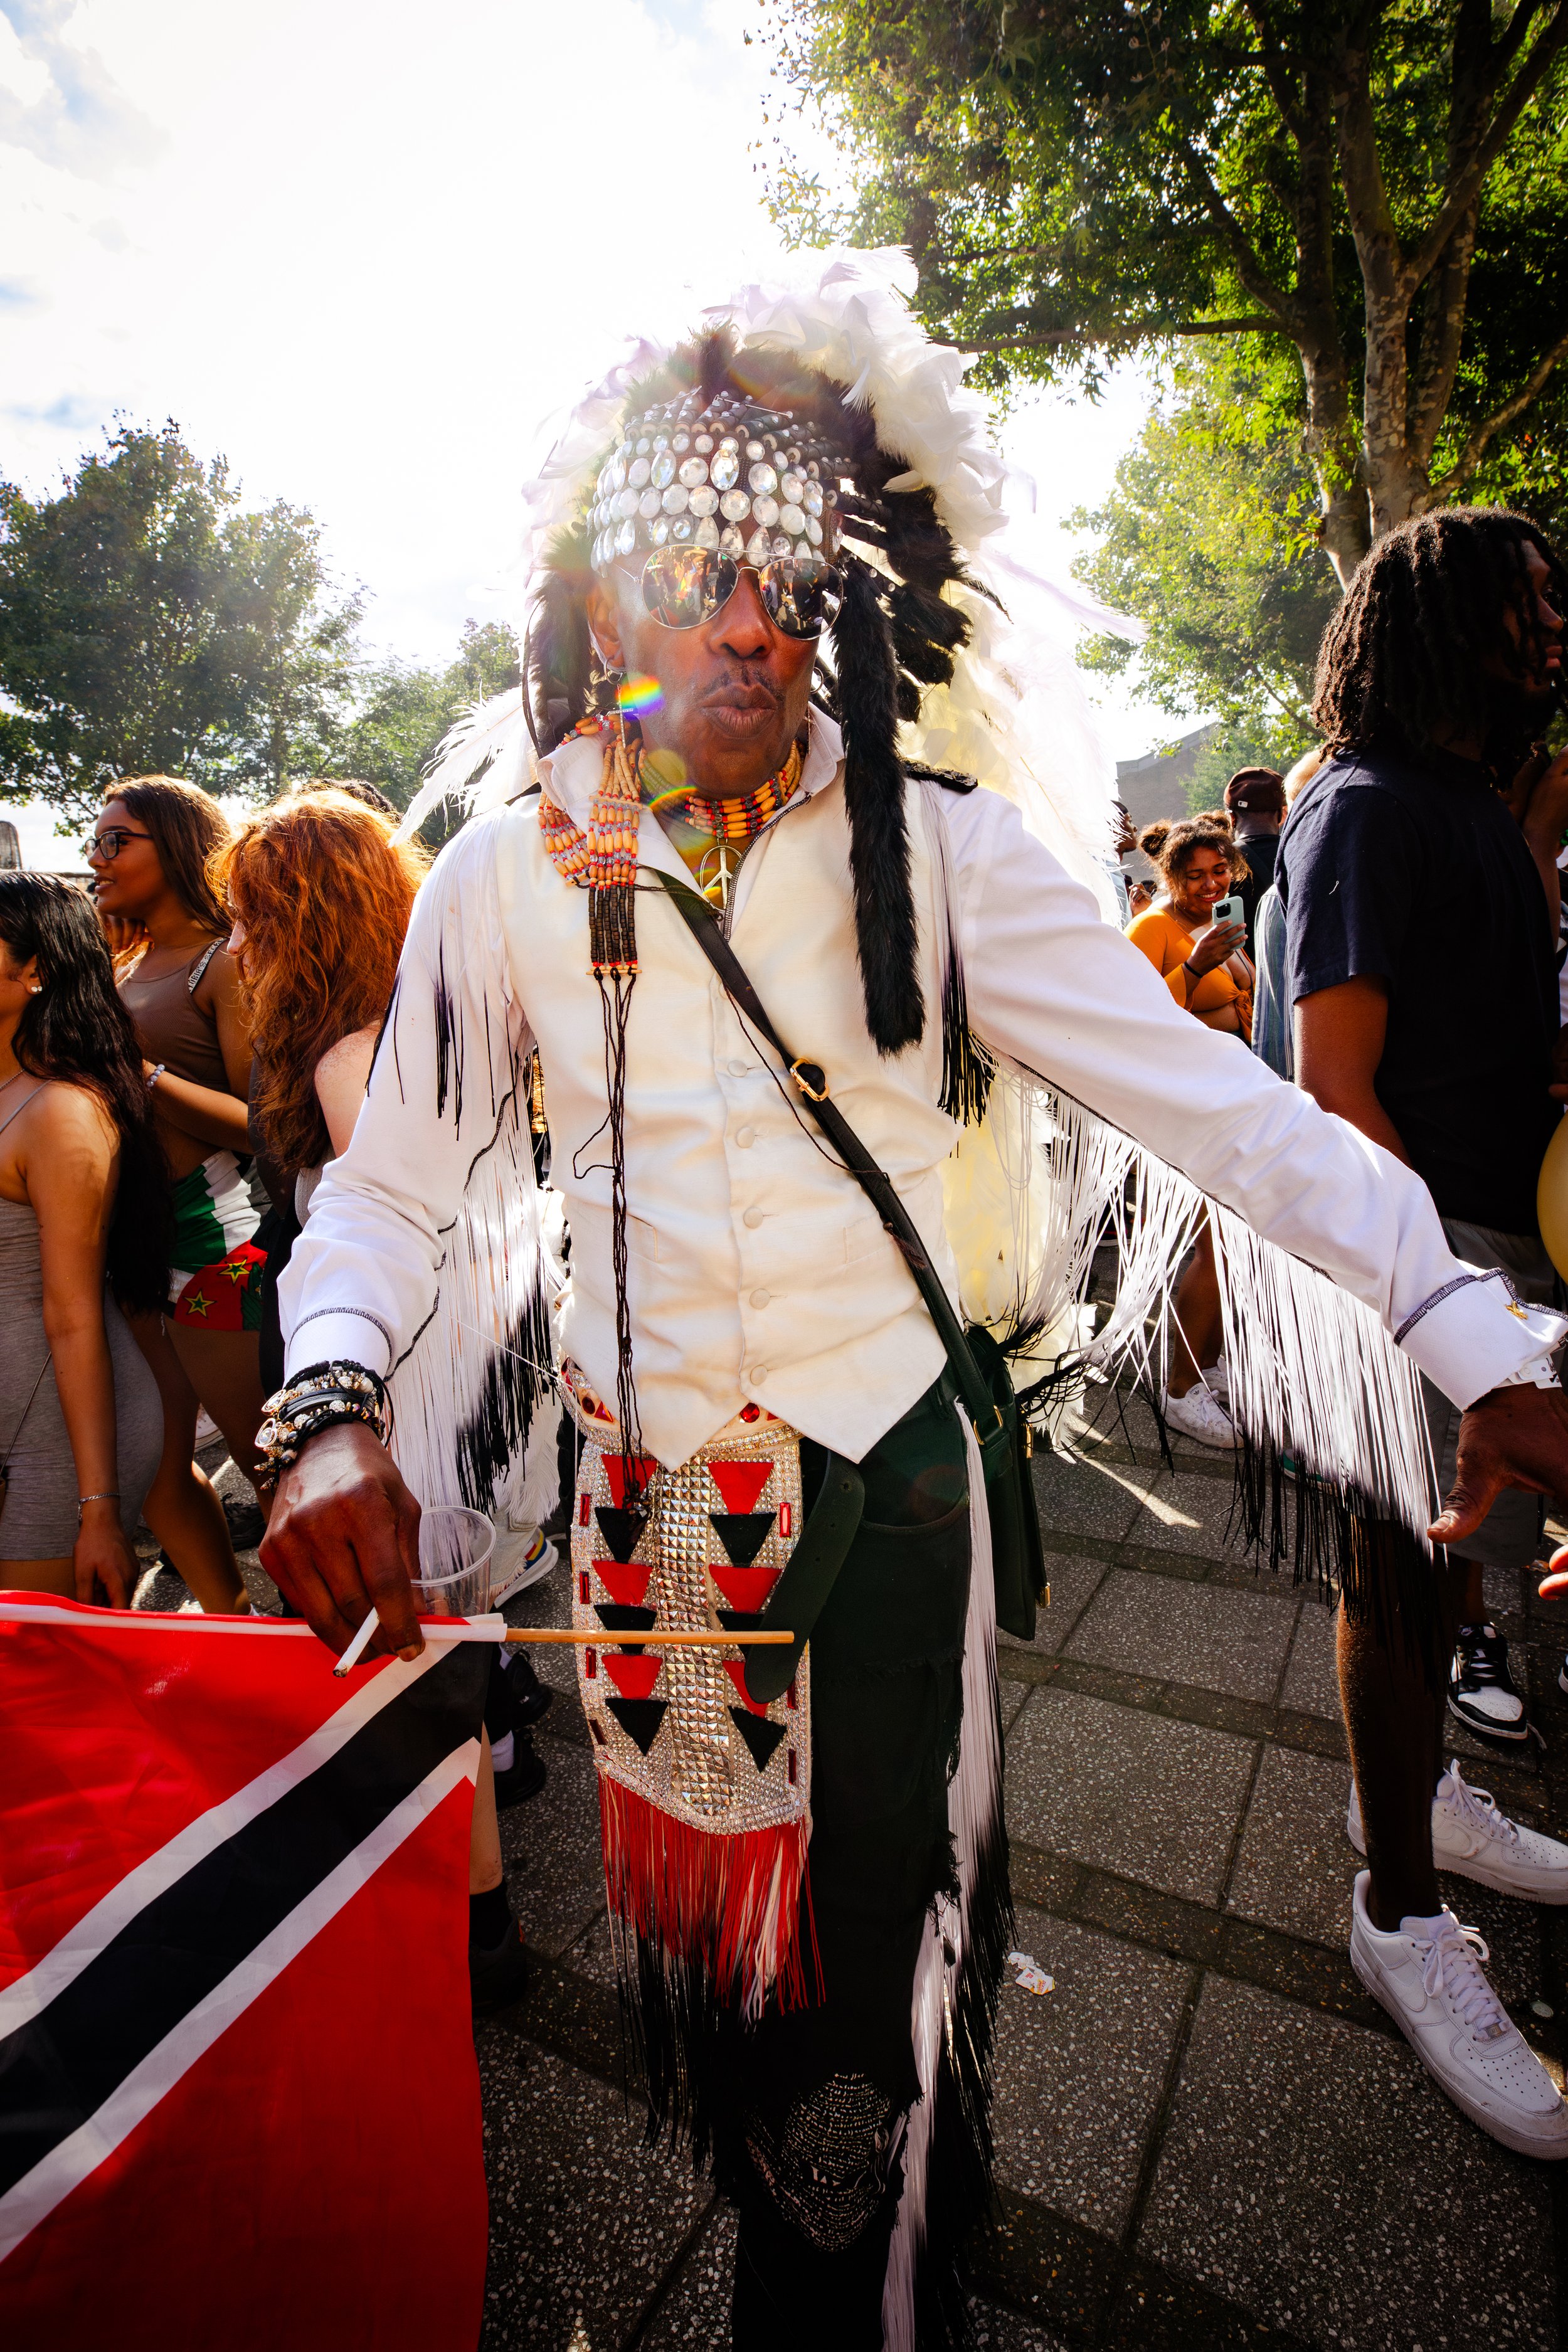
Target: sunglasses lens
<point>683,586</point>
<point>802,594</point>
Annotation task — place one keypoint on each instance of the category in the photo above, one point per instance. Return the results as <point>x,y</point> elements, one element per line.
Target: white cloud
<point>361,246</point>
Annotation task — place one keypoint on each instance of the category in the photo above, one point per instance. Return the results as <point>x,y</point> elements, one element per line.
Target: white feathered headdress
<point>1015,714</point>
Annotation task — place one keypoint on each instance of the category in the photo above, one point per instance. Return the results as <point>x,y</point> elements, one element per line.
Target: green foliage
<point>1207,538</point>
<point>147,625</point>
<point>404,712</point>
<point>1375,192</point>
<point>1230,747</point>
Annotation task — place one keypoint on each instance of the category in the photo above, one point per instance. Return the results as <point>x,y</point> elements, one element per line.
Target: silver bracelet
<point>107,1494</point>
<point>1460,1282</point>
<point>316,1313</point>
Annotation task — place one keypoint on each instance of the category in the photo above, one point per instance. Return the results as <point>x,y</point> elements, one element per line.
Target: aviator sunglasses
<point>684,586</point>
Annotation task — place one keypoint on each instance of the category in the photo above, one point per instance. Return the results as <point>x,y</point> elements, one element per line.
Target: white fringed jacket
<point>757,1269</point>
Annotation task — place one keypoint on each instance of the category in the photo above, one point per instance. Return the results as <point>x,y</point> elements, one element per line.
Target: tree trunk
<point>1334,451</point>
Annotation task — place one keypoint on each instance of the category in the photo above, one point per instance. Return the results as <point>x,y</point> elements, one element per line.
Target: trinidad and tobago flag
<point>238,2099</point>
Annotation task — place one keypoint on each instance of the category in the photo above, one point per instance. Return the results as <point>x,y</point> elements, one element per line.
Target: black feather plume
<point>874,796</point>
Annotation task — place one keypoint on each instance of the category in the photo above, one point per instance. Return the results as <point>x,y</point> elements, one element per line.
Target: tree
<point>1206,536</point>
<point>404,711</point>
<point>149,625</point>
<point>1376,188</point>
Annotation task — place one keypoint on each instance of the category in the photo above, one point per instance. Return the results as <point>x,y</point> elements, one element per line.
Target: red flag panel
<point>297,2160</point>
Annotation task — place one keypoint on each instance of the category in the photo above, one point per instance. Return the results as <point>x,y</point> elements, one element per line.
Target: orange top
<point>1168,943</point>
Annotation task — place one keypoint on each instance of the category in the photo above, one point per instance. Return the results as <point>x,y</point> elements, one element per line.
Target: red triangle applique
<point>625,1584</point>
<point>743,1588</point>
<point>633,1678</point>
<point>615,1472</point>
<point>739,1483</point>
<point>737,1674</point>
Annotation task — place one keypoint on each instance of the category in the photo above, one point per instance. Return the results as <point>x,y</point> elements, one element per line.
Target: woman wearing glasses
<point>149,854</point>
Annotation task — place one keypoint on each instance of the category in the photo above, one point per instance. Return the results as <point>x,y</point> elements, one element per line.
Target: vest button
<point>745,1135</point>
<point>757,1375</point>
<point>760,1298</point>
<point>752,1217</point>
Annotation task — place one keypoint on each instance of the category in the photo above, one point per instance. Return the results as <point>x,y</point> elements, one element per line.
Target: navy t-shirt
<point>1416,872</point>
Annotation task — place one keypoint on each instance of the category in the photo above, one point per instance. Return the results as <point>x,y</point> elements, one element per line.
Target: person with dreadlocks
<point>1419,879</point>
<point>775,970</point>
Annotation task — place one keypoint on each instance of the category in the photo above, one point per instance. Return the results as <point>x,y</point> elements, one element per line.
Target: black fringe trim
<point>966,1069</point>
<point>515,1385</point>
<point>959,2188</point>
<point>1341,1541</point>
<point>673,2023</point>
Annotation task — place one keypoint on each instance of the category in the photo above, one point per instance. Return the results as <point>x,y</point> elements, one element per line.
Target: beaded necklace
<point>729,826</point>
<point>603,859</point>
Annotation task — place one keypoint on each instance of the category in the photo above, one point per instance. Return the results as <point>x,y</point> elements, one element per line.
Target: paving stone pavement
<point>1207,2137</point>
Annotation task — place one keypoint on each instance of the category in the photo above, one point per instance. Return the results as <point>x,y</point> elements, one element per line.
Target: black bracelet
<point>318,1397</point>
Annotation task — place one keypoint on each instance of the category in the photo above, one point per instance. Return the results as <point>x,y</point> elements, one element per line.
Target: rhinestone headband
<point>747,481</point>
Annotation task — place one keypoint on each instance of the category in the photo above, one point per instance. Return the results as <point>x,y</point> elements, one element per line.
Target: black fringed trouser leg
<point>816,2100</point>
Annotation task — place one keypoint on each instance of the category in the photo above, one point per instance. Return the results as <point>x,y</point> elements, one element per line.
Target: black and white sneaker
<point>1481,1688</point>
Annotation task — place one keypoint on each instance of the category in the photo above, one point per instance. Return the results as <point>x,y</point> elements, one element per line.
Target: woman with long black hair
<point>84,1217</point>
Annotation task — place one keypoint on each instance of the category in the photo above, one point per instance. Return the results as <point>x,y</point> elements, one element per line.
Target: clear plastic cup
<point>455,1548</point>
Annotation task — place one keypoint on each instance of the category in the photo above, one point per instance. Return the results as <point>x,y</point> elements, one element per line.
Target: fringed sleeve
<point>1116,1114</point>
<point>426,1251</point>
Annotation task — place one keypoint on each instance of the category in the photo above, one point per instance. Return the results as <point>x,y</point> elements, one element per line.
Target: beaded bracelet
<point>318,1397</point>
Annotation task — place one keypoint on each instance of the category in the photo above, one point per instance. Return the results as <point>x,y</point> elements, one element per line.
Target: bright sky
<point>362,249</point>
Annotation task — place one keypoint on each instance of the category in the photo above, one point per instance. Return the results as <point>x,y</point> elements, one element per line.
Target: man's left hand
<point>1510,1437</point>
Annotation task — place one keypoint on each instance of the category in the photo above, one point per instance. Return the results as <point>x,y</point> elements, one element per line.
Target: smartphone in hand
<point>1229,910</point>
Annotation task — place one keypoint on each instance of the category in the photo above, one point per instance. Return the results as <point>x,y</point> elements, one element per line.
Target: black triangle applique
<point>621,1617</point>
<point>640,1718</point>
<point>742,1533</point>
<point>740,1621</point>
<point>620,1529</point>
<point>760,1736</point>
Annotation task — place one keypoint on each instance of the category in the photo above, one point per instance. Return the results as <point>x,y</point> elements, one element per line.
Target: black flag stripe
<point>58,2069</point>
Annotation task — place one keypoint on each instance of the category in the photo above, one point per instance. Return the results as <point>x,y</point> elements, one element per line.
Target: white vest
<point>757,1271</point>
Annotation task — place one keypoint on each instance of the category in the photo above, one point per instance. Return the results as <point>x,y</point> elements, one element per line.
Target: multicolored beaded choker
<point>730,826</point>
<point>602,860</point>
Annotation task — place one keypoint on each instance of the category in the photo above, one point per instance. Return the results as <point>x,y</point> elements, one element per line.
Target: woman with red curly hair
<point>320,893</point>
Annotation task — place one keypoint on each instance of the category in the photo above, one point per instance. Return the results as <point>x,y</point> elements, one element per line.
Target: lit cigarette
<point>358,1646</point>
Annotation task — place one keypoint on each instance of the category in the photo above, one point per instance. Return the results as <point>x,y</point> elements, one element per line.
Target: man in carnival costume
<point>760,598</point>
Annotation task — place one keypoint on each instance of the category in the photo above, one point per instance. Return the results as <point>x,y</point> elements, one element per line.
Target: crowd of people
<point>186,1051</point>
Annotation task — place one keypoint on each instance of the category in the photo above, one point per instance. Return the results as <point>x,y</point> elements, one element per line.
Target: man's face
<point>733,690</point>
<point>1545,671</point>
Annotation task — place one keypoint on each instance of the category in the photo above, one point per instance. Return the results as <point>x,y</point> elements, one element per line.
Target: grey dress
<point>38,1518</point>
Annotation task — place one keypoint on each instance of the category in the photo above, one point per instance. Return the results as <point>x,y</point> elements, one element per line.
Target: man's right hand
<point>344,1538</point>
<point>1220,940</point>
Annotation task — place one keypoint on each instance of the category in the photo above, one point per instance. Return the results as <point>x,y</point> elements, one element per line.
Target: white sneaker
<point>522,1557</point>
<point>1474,1839</point>
<point>1200,1415</point>
<point>1428,1975</point>
<point>1218,1376</point>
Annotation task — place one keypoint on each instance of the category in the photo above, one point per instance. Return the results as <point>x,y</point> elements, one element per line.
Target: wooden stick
<point>628,1637</point>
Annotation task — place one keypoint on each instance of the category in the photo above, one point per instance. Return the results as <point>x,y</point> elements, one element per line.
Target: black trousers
<point>812,2121</point>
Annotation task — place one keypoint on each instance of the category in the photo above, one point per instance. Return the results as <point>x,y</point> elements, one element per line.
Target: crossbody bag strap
<point>990,1429</point>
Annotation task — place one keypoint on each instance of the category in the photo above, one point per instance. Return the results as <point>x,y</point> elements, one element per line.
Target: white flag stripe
<point>24,1998</point>
<point>34,2196</point>
<point>150,1621</point>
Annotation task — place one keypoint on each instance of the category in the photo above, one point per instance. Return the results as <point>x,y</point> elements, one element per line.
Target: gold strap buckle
<point>813,1093</point>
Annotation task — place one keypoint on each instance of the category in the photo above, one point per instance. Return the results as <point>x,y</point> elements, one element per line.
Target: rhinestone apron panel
<point>677,1728</point>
